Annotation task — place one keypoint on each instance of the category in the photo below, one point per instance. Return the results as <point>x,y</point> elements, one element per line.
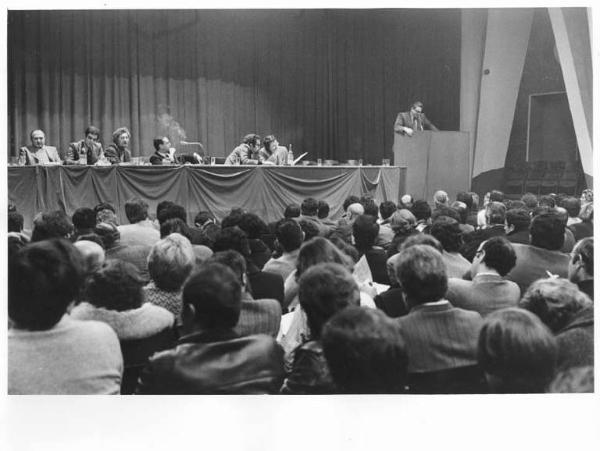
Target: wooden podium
<point>434,161</point>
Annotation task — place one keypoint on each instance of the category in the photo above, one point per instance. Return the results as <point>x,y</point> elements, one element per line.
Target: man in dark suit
<point>495,215</point>
<point>487,291</point>
<point>257,316</point>
<point>86,151</point>
<point>409,121</point>
<point>438,336</point>
<point>542,258</point>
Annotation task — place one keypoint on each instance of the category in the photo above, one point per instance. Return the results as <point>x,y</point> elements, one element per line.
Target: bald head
<point>355,210</point>
<point>93,255</point>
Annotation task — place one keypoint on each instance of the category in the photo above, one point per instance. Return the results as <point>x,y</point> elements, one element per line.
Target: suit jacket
<point>440,337</point>
<point>576,341</point>
<point>241,155</point>
<point>116,155</point>
<point>76,148</point>
<point>392,302</point>
<point>582,229</point>
<point>474,239</point>
<point>259,316</point>
<point>405,119</point>
<point>519,236</point>
<point>484,294</point>
<point>533,262</point>
<point>30,156</point>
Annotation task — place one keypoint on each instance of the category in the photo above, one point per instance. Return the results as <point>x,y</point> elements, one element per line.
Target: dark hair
<point>447,231</point>
<point>289,235</point>
<point>496,196</point>
<point>174,225</point>
<point>91,130</point>
<point>323,210</point>
<point>387,209</point>
<point>309,228</point>
<point>555,301</point>
<point>349,201</point>
<point>547,201</point>
<point>323,290</point>
<point>233,218</point>
<point>422,239</point>
<point>43,279</point>
<point>584,249</point>
<point>233,260</point>
<point>572,205</point>
<point>320,250</point>
<point>136,210</point>
<point>516,348</point>
<point>215,292</point>
<point>415,104</point>
<point>547,231</point>
<point>499,254</point>
<point>118,132</point>
<point>170,210</point>
<point>514,204</point>
<point>422,274</point>
<point>104,206</point>
<point>530,200</point>
<point>15,222</point>
<point>309,207</point>
<point>157,142</point>
<point>365,230</point>
<point>117,285</point>
<point>291,211</point>
<point>54,224</point>
<point>365,352</point>
<point>203,216</point>
<point>370,206</point>
<point>250,139</point>
<point>444,210</point>
<point>84,218</point>
<point>267,140</point>
<point>519,218</point>
<point>495,212</point>
<point>461,210</point>
<point>254,227</point>
<point>108,233</point>
<point>421,210</point>
<point>232,238</point>
<point>466,198</point>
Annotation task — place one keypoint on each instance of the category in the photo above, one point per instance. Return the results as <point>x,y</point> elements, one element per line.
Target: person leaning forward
<point>409,121</point>
<point>246,152</point>
<point>87,150</point>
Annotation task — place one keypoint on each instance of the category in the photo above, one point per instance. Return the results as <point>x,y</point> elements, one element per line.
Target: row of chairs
<point>543,177</point>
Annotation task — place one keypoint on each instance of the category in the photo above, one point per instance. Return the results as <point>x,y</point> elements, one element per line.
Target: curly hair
<point>117,285</point>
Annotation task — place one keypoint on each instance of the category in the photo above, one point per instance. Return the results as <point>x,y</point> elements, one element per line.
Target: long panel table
<point>264,190</point>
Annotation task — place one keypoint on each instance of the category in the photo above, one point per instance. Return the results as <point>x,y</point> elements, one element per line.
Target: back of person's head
<point>174,225</point>
<point>254,227</point>
<point>401,223</point>
<point>162,205</point>
<point>562,214</point>
<point>233,218</point>
<point>555,301</point>
<point>514,204</point>
<point>579,379</point>
<point>444,210</point>
<point>16,242</point>
<point>136,210</point>
<point>386,209</point>
<point>547,201</point>
<point>466,198</point>
<point>499,254</point>
<point>421,210</point>
<point>104,206</point>
<point>43,279</point>
<point>117,285</point>
<point>365,230</point>
<point>323,210</point>
<point>447,231</point>
<point>572,205</point>
<point>54,224</point>
<point>422,274</point>
<point>323,290</point>
<point>233,260</point>
<point>440,198</point>
<point>406,201</point>
<point>107,216</point>
<point>582,256</point>
<point>547,230</point>
<point>232,238</point>
<point>84,218</point>
<point>309,207</point>
<point>355,209</point>
<point>530,200</point>
<point>462,211</point>
<point>289,235</point>
<point>320,250</point>
<point>518,218</point>
<point>92,255</point>
<point>15,222</point>
<point>170,261</point>
<point>370,206</point>
<point>108,233</point>
<point>422,239</point>
<point>171,211</point>
<point>349,201</point>
<point>309,228</point>
<point>496,196</point>
<point>516,351</point>
<point>214,292</point>
<point>291,211</point>
<point>495,213</point>
<point>365,352</point>
<point>203,217</point>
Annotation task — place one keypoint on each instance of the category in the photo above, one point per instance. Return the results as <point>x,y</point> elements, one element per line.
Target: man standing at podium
<point>409,121</point>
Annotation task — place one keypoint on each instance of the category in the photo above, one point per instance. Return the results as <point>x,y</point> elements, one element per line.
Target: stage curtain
<point>328,81</point>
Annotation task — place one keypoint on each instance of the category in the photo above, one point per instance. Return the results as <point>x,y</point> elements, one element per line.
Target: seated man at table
<point>118,151</point>
<point>38,152</point>
<point>246,152</point>
<point>87,150</point>
<point>165,154</point>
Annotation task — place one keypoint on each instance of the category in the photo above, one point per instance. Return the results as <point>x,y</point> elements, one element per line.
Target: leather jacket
<point>215,362</point>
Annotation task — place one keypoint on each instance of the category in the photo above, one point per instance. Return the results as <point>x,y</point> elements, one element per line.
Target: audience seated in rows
<point>289,237</point>
<point>447,231</point>
<point>364,231</point>
<point>140,230</point>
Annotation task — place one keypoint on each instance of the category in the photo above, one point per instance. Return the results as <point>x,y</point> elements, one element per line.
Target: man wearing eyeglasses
<point>414,120</point>
<point>86,151</point>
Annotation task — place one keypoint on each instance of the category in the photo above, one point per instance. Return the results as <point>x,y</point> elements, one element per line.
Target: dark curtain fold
<point>328,81</point>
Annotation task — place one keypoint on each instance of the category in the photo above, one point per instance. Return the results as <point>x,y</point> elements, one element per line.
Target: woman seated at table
<point>271,152</point>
